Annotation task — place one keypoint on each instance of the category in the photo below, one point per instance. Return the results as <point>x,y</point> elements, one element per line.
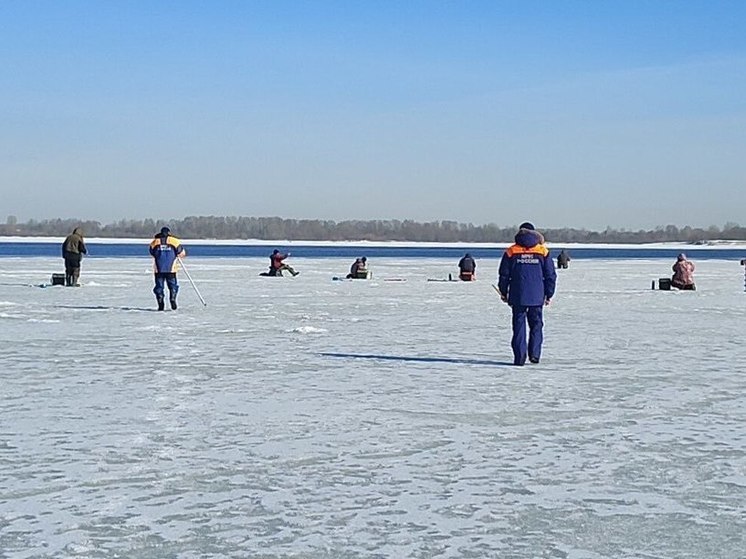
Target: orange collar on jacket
<point>539,249</point>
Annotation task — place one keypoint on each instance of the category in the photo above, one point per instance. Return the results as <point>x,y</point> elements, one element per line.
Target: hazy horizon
<point>514,223</point>
<point>586,115</point>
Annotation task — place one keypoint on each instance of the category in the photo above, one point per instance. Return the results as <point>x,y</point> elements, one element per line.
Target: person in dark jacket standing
<point>563,259</point>
<point>467,268</point>
<point>166,251</point>
<point>526,282</point>
<point>73,249</point>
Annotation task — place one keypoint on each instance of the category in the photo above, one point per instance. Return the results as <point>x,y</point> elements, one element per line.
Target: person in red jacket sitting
<point>276,264</point>
<point>683,274</point>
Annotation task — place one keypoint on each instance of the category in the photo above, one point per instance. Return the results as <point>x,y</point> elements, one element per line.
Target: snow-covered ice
<point>306,418</point>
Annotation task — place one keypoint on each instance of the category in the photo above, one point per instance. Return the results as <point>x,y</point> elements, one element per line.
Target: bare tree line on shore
<point>276,228</point>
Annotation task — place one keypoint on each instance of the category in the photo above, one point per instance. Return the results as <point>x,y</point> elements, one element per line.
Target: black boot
<point>161,303</point>
<point>173,303</point>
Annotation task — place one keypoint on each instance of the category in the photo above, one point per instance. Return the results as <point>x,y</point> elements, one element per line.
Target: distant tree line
<point>276,228</point>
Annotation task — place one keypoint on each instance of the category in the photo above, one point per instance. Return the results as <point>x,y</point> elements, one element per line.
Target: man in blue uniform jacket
<point>526,282</point>
<point>166,251</point>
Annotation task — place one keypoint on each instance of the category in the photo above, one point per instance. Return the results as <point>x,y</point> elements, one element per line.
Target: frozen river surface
<point>306,418</point>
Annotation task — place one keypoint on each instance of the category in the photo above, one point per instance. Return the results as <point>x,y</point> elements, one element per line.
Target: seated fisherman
<point>683,274</point>
<point>467,268</point>
<point>276,264</point>
<point>358,269</point>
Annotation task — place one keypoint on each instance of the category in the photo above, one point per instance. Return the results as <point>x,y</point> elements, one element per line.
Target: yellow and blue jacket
<point>165,250</point>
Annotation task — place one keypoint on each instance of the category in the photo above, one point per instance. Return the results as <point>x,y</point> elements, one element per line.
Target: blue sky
<point>628,114</point>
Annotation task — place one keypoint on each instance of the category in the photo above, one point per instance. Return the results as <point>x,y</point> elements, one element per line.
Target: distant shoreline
<point>710,245</point>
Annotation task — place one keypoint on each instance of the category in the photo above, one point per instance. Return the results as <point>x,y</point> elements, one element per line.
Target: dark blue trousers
<point>535,318</point>
<point>168,279</point>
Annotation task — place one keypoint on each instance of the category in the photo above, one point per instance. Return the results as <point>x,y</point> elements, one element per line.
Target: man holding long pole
<point>166,251</point>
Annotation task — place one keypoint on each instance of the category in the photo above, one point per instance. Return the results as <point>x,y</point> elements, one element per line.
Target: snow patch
<point>307,330</point>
